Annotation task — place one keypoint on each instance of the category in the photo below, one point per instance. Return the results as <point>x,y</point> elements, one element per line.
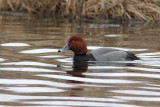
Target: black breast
<point>84,57</point>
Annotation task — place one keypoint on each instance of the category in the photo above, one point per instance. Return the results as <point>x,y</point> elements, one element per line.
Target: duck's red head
<point>76,44</point>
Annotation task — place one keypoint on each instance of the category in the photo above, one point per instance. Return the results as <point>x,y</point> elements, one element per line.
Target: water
<point>32,73</point>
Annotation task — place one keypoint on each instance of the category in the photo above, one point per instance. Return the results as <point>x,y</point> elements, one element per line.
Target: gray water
<point>32,73</point>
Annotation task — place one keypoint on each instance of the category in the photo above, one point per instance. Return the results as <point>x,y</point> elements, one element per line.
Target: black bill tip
<point>59,50</point>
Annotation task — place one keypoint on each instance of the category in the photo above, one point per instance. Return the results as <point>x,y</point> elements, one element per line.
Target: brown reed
<point>95,9</point>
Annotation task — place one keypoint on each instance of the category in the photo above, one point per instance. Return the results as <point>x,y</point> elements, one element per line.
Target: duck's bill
<point>65,48</point>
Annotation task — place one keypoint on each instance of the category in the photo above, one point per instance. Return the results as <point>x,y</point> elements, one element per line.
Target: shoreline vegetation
<point>146,10</point>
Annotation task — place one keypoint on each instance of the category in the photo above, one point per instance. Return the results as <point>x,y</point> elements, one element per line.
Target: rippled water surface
<point>32,73</point>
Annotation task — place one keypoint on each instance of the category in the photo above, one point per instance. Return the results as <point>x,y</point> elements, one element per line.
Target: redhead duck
<point>78,46</point>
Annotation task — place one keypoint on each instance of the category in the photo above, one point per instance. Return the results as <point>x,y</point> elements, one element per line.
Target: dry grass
<point>123,9</point>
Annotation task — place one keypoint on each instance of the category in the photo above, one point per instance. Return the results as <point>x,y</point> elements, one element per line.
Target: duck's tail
<point>131,57</point>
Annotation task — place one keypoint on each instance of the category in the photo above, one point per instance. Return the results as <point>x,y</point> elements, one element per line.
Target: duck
<point>79,47</point>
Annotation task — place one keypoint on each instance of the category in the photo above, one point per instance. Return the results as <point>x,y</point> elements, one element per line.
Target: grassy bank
<point>107,9</point>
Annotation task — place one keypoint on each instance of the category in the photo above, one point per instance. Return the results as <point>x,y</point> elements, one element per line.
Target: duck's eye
<point>72,41</point>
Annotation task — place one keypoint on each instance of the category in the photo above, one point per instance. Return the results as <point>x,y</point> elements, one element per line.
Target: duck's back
<point>101,51</point>
<point>108,54</point>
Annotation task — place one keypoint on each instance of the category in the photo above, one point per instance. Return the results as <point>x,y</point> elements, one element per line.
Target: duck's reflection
<point>81,67</point>
<point>78,69</point>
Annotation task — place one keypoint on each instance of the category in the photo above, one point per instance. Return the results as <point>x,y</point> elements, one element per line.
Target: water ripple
<point>91,80</point>
<point>33,89</point>
<point>79,103</point>
<point>124,74</point>
<point>27,97</point>
<point>138,92</point>
<point>34,82</point>
<point>15,44</point>
<point>51,56</point>
<point>29,63</point>
<point>27,69</point>
<point>148,99</point>
<point>37,51</point>
<point>2,59</point>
